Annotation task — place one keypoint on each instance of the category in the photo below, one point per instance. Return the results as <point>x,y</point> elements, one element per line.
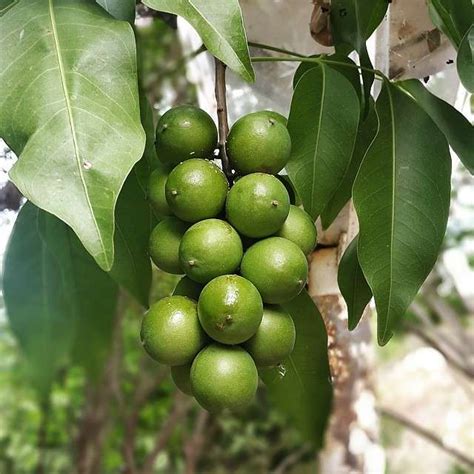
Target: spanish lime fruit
<point>156,192</point>
<point>277,267</point>
<point>171,332</point>
<point>187,287</point>
<point>181,378</point>
<point>196,190</point>
<point>257,205</point>
<point>185,132</point>
<point>164,244</point>
<point>230,309</point>
<point>258,142</point>
<point>271,114</point>
<point>275,338</point>
<point>300,229</point>
<point>224,377</point>
<point>210,248</point>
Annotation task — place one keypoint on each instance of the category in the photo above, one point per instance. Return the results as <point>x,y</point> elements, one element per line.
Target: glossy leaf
<point>401,195</point>
<point>301,388</point>
<point>458,130</point>
<point>120,9</point>
<point>353,285</point>
<point>365,135</point>
<point>51,285</point>
<point>72,115</point>
<point>323,121</point>
<point>220,26</point>
<point>465,60</point>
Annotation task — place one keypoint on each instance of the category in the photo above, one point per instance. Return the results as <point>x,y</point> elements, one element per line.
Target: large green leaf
<point>465,60</point>
<point>323,121</point>
<point>70,110</point>
<point>353,285</point>
<point>401,195</point>
<point>220,26</point>
<point>51,286</point>
<point>452,17</point>
<point>365,135</point>
<point>301,386</point>
<point>120,9</point>
<point>458,130</point>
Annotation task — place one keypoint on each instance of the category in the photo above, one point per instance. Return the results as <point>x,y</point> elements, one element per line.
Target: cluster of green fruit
<point>219,326</point>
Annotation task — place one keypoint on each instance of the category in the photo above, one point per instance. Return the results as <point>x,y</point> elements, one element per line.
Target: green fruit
<point>156,192</point>
<point>189,288</point>
<point>171,332</point>
<point>230,309</point>
<point>224,377</point>
<point>257,205</point>
<point>275,116</point>
<point>210,248</point>
<point>185,132</point>
<point>258,142</point>
<point>277,267</point>
<point>275,338</point>
<point>196,190</point>
<point>164,244</point>
<point>181,377</point>
<point>300,229</point>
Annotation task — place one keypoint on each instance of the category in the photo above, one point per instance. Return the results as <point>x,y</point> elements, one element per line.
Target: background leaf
<point>120,9</point>
<point>304,392</point>
<point>465,60</point>
<point>51,287</point>
<point>78,138</point>
<point>323,121</point>
<point>220,26</point>
<point>353,285</point>
<point>401,195</point>
<point>458,130</point>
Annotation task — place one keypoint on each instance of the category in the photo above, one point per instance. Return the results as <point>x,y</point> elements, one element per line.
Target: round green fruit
<point>224,377</point>
<point>300,229</point>
<point>189,288</point>
<point>185,132</point>
<point>210,248</point>
<point>275,338</point>
<point>164,244</point>
<point>257,205</point>
<point>277,267</point>
<point>171,332</point>
<point>181,377</point>
<point>271,114</point>
<point>156,192</point>
<point>258,142</point>
<point>196,190</point>
<point>230,309</point>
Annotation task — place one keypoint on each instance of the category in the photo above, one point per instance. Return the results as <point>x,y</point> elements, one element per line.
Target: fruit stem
<point>222,117</point>
<point>274,48</point>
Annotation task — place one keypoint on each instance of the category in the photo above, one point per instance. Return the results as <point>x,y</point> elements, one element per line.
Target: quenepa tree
<point>106,190</point>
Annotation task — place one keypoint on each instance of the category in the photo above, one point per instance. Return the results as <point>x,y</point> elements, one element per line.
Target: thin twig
<point>222,117</point>
<point>426,434</point>
<point>274,48</point>
<point>290,460</point>
<point>194,445</point>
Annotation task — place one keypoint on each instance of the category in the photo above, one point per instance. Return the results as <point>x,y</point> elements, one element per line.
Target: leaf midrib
<point>72,126</point>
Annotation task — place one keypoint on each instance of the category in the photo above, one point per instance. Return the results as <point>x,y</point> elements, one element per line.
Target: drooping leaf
<point>220,26</point>
<point>365,135</point>
<point>323,121</point>
<point>458,130</point>
<point>465,60</point>
<point>452,17</point>
<point>120,9</point>
<point>70,111</point>
<point>401,195</point>
<point>353,285</point>
<point>301,387</point>
<point>51,285</point>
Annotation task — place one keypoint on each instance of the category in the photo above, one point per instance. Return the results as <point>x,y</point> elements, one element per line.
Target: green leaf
<point>365,135</point>
<point>304,392</point>
<point>324,106</point>
<point>401,195</point>
<point>452,17</point>
<point>51,284</point>
<point>220,26</point>
<point>72,115</point>
<point>465,60</point>
<point>458,130</point>
<point>353,285</point>
<point>120,9</point>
